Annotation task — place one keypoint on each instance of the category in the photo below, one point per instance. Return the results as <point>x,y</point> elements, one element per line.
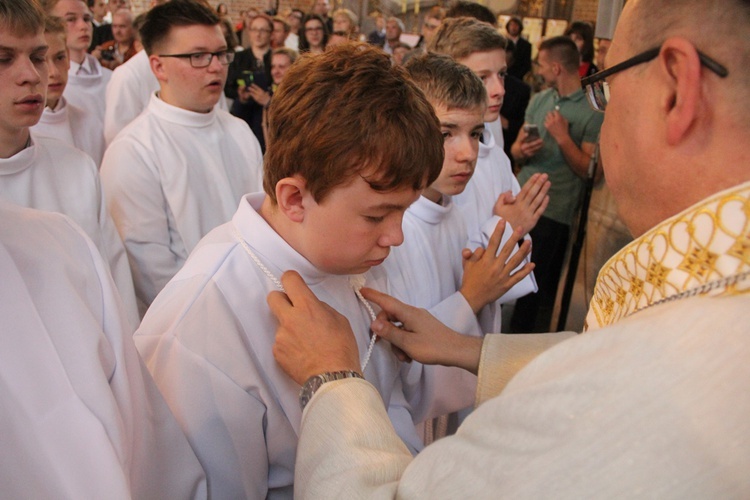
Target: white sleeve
<point>81,416</point>
<point>139,210</point>
<point>114,253</point>
<point>123,103</point>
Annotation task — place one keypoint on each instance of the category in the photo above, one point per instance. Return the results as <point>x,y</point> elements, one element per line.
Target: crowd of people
<point>265,259</point>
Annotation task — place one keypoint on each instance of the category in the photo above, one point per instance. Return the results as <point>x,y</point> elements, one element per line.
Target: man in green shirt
<point>568,130</point>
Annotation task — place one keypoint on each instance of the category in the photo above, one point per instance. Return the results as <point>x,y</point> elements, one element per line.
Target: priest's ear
<point>682,99</point>
<point>291,197</point>
<point>157,67</point>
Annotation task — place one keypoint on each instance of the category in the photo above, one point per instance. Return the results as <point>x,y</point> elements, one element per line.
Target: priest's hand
<point>489,274</point>
<point>312,338</point>
<point>524,209</point>
<point>422,337</point>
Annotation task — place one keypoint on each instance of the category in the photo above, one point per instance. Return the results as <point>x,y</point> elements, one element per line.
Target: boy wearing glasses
<point>180,168</point>
<point>567,130</point>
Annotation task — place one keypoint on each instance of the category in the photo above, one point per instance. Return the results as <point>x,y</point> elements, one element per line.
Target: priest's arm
<point>347,444</point>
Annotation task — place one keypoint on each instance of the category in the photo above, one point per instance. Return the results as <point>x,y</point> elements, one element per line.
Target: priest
<point>652,399</point>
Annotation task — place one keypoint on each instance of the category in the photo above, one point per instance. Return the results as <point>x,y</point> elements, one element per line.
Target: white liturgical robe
<point>87,85</point>
<point>128,94</point>
<point>75,126</point>
<point>80,416</point>
<point>426,269</point>
<point>170,177</point>
<point>51,175</point>
<point>653,404</point>
<point>207,340</point>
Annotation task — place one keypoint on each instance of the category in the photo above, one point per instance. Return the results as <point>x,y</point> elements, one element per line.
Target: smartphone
<point>532,132</point>
<point>246,79</point>
<point>258,78</point>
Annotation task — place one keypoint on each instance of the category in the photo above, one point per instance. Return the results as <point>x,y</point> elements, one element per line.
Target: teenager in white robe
<point>81,417</point>
<point>207,337</point>
<point>129,92</point>
<point>181,167</point>
<point>171,177</point>
<point>50,175</point>
<point>87,79</point>
<point>493,190</point>
<point>207,341</point>
<point>60,119</point>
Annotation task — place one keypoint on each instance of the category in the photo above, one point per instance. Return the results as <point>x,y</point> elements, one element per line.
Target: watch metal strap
<point>313,383</point>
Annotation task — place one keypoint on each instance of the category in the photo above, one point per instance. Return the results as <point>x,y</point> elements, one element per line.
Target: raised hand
<point>489,274</point>
<point>524,209</point>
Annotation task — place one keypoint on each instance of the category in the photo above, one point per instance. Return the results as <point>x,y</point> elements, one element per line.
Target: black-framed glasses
<point>203,59</point>
<point>596,87</point>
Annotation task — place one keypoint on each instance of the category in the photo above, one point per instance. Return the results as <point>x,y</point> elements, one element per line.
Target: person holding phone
<point>249,79</point>
<point>558,138</point>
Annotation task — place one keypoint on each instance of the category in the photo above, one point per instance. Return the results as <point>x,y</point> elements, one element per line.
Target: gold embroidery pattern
<point>705,243</point>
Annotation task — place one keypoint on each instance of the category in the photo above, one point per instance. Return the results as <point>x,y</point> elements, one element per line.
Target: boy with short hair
<point>493,192</point>
<point>47,174</point>
<point>335,195</point>
<point>60,119</point>
<point>180,168</point>
<point>87,82</point>
<point>428,269</point>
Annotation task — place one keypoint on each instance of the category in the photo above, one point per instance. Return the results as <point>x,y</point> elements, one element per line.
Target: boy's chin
<point>491,117</point>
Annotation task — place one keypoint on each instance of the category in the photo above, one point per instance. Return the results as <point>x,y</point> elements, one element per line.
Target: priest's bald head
<point>677,125</point>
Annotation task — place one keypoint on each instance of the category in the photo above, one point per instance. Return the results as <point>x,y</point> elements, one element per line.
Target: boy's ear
<point>157,68</point>
<point>290,194</point>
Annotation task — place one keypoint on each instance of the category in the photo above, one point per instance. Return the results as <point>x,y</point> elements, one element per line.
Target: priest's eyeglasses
<point>596,87</point>
<point>203,59</point>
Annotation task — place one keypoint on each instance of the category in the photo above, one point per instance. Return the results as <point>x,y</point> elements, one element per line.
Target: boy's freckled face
<point>354,226</point>
<point>23,80</point>
<point>462,129</point>
<point>194,89</point>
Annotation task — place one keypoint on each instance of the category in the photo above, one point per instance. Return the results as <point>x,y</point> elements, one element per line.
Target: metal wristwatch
<point>314,383</point>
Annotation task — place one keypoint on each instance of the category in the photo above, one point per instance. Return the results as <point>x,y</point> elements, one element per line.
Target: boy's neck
<point>12,143</point>
<point>433,195</point>
<point>77,56</point>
